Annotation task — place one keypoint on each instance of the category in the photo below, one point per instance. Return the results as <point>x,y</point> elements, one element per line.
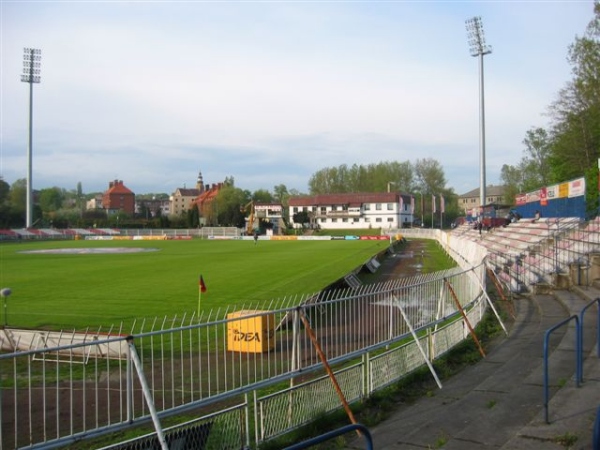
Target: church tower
<point>200,183</point>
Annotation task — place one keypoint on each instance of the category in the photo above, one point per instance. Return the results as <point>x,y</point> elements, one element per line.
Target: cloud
<point>269,93</point>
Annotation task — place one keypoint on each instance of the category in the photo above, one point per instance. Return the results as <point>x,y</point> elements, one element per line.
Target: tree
<point>575,135</point>
<point>430,178</point>
<point>229,204</point>
<point>79,196</point>
<point>193,217</point>
<point>262,196</point>
<point>330,180</point>
<point>281,194</point>
<point>537,153</point>
<point>18,196</point>
<point>5,210</point>
<point>371,178</point>
<point>512,178</point>
<point>301,217</point>
<point>4,191</point>
<point>50,199</point>
<point>534,168</point>
<point>576,111</point>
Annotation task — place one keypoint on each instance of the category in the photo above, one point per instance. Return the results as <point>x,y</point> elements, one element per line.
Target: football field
<point>78,284</point>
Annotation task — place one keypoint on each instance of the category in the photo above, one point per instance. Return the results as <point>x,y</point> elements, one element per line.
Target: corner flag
<point>201,289</point>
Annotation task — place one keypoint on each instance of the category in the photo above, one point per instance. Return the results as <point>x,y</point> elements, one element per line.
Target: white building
<point>182,199</point>
<point>355,210</point>
<point>270,212</point>
<point>470,203</point>
<point>94,203</point>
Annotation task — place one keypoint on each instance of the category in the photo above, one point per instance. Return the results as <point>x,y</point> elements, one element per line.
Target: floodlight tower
<point>478,48</point>
<point>31,74</point>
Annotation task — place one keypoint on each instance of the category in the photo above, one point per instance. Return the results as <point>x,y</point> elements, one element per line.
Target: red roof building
<point>118,198</point>
<point>204,204</point>
<point>355,210</point>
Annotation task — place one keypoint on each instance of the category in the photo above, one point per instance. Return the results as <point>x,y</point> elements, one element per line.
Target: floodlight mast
<point>478,48</point>
<point>31,74</point>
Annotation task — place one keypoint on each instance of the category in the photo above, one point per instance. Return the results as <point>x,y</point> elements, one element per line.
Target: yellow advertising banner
<point>563,190</point>
<point>284,238</point>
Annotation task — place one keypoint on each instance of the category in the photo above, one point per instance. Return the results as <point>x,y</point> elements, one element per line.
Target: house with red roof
<point>204,203</point>
<point>355,210</point>
<point>118,198</point>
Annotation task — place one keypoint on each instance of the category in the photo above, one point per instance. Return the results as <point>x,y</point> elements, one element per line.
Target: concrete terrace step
<point>572,410</point>
<point>499,402</point>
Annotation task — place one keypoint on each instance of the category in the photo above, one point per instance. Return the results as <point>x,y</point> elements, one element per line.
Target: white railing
<point>183,366</point>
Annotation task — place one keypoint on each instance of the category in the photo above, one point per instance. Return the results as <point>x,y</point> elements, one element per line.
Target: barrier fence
<point>188,374</point>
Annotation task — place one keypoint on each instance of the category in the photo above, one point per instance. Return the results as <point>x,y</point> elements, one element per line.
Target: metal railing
<point>532,254</point>
<point>579,329</point>
<point>545,357</point>
<point>364,432</point>
<point>184,368</point>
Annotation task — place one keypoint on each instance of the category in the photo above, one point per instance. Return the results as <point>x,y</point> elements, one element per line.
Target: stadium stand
<point>534,252</point>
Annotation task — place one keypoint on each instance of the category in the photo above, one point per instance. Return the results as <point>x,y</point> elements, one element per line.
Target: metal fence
<point>89,233</point>
<point>189,369</point>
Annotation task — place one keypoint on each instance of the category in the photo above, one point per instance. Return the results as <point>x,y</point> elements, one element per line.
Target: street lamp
<point>31,74</point>
<point>478,48</point>
<point>5,293</point>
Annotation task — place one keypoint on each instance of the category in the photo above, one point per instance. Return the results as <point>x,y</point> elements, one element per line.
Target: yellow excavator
<point>249,207</point>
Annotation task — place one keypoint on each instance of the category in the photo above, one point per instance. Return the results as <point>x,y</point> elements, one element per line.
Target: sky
<point>270,92</point>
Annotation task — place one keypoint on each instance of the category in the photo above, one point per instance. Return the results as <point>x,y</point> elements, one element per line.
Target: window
<point>334,220</point>
<point>390,206</point>
<point>355,220</point>
<point>323,210</point>
<point>344,219</point>
<point>367,207</point>
<point>295,209</point>
<point>391,219</point>
<point>378,219</point>
<point>378,206</point>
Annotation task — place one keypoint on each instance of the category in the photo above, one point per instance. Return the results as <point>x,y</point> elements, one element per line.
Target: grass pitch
<point>75,291</point>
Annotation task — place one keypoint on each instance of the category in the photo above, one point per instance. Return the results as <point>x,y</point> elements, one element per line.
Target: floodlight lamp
<point>476,37</point>
<point>31,65</point>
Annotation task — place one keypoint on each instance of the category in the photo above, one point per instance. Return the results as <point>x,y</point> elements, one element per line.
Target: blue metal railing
<point>577,358</point>
<point>596,436</point>
<point>364,431</point>
<point>581,314</point>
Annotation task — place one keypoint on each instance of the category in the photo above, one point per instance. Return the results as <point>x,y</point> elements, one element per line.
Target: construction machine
<point>249,207</point>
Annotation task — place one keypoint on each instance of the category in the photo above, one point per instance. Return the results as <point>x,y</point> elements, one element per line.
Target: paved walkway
<point>499,402</point>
